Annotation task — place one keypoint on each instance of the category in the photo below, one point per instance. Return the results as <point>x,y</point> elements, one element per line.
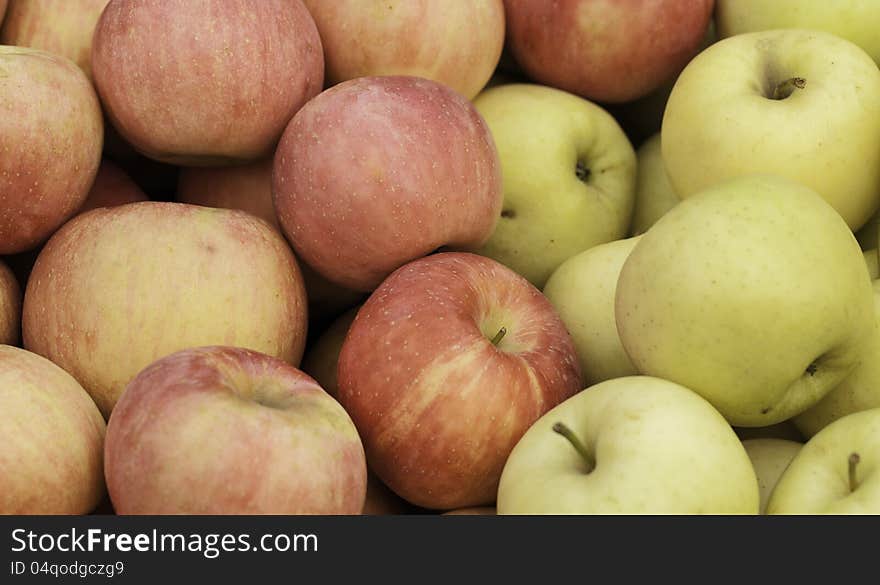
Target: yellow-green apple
<point>654,193</point>
<point>208,82</point>
<point>605,50</point>
<point>770,457</point>
<point>872,261</point>
<point>120,287</point>
<point>51,136</point>
<point>225,430</point>
<point>10,306</point>
<point>836,472</point>
<point>752,293</point>
<point>62,28</point>
<point>739,108</point>
<point>446,365</point>
<point>858,391</point>
<point>455,42</point>
<point>582,290</point>
<point>322,357</point>
<point>632,445</point>
<point>854,20</point>
<point>365,179</point>
<point>782,430</point>
<point>51,439</point>
<point>568,177</point>
<point>112,187</point>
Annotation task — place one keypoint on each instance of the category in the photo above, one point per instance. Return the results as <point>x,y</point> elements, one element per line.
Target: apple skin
<point>659,449</point>
<point>49,108</point>
<point>51,439</point>
<point>61,28</point>
<point>753,293</point>
<point>817,480</point>
<point>872,262</point>
<point>118,288</point>
<point>654,193</point>
<point>438,406</point>
<point>365,180</point>
<point>459,48</point>
<point>322,358</point>
<point>112,187</point>
<point>381,501</point>
<point>546,138</point>
<point>2,10</point>
<point>224,430</point>
<point>582,290</point>
<point>209,82</point>
<point>721,123</point>
<point>608,51</point>
<point>10,306</point>
<point>770,457</point>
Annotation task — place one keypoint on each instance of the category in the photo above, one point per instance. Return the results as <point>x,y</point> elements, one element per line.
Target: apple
<point>365,178</point>
<point>632,445</point>
<point>2,10</point>
<point>770,457</point>
<point>118,288</point>
<point>10,306</point>
<point>444,368</point>
<point>224,430</point>
<point>605,51</point>
<point>854,20</point>
<point>51,439</point>
<point>858,391</point>
<point>872,261</point>
<point>582,290</point>
<point>739,108</point>
<point>381,501</point>
<point>205,83</point>
<point>752,293</point>
<point>867,234</point>
<point>322,358</point>
<point>836,472</point>
<point>49,108</point>
<point>456,42</point>
<point>568,177</point>
<point>112,187</point>
<point>654,193</point>
<point>62,28</point>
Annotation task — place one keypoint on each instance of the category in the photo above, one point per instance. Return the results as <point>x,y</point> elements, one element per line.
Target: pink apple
<point>10,306</point>
<point>606,50</point>
<point>120,287</point>
<point>51,439</point>
<point>378,171</point>
<point>51,135</point>
<point>438,405</point>
<point>455,42</point>
<point>112,187</point>
<point>207,82</point>
<point>62,28</point>
<point>224,430</point>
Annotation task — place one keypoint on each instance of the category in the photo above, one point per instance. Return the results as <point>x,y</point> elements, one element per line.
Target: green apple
<point>872,261</point>
<point>753,293</point>
<point>568,172</point>
<point>854,20</point>
<point>858,391</point>
<point>582,290</point>
<point>633,445</point>
<point>770,457</point>
<point>801,104</point>
<point>654,193</point>
<point>836,472</point>
<point>320,360</point>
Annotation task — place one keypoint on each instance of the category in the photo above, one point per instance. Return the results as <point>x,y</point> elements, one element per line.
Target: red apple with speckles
<point>51,136</point>
<point>445,367</point>
<point>378,171</point>
<point>223,430</point>
<point>610,51</point>
<point>112,187</point>
<point>10,306</point>
<point>203,82</point>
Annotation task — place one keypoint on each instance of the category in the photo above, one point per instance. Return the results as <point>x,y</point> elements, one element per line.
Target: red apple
<point>455,42</point>
<point>322,358</point>
<point>112,187</point>
<point>2,10</point>
<point>51,135</point>
<point>208,81</point>
<point>224,430</point>
<point>445,367</point>
<point>378,171</point>
<point>51,439</point>
<point>10,306</point>
<point>608,51</point>
<point>381,501</point>
<point>120,287</point>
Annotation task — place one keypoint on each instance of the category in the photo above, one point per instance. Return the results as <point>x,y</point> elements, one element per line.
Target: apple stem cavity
<point>853,463</point>
<point>499,336</point>
<point>585,454</point>
<point>582,171</point>
<point>787,87</point>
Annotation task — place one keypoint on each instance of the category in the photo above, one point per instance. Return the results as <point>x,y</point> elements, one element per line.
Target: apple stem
<point>566,432</point>
<point>499,336</point>
<point>853,462</point>
<point>787,87</point>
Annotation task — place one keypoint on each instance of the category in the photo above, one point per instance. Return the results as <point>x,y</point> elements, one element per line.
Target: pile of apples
<point>446,256</point>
